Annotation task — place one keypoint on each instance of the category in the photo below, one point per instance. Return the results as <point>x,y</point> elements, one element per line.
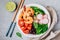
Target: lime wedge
<point>10,6</point>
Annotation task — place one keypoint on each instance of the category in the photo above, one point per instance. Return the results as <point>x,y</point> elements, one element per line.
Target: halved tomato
<point>29,27</point>
<point>26,25</point>
<point>23,28</point>
<point>26,31</point>
<point>20,23</point>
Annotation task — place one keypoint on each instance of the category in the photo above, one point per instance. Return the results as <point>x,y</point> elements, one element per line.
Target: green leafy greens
<point>35,25</point>
<point>19,34</point>
<point>40,28</point>
<point>37,10</point>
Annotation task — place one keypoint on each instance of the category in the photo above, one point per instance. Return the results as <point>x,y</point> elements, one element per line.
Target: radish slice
<point>41,22</point>
<point>45,21</point>
<point>39,16</point>
<point>45,16</point>
<point>42,19</point>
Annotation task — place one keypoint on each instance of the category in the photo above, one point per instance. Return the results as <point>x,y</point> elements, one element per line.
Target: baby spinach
<point>45,27</point>
<point>19,34</point>
<point>37,10</point>
<point>36,13</point>
<point>35,25</point>
<point>40,28</point>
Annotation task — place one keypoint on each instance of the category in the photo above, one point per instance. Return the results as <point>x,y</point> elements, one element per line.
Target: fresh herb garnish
<point>19,34</point>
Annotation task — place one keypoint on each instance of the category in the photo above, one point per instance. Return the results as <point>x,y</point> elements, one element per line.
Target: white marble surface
<point>5,16</point>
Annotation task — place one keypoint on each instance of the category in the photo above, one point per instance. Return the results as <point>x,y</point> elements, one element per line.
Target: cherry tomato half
<point>20,23</point>
<point>26,31</point>
<point>29,27</point>
<point>23,28</point>
<point>26,25</point>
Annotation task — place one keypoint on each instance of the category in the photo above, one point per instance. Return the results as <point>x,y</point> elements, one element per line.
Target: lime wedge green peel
<point>10,6</point>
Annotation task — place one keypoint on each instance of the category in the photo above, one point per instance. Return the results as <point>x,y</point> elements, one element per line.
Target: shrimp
<point>25,16</point>
<point>21,16</point>
<point>29,20</point>
<point>30,11</point>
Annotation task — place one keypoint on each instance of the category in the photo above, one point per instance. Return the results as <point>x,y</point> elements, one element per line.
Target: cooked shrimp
<point>29,20</point>
<point>30,11</point>
<point>21,15</point>
<point>25,16</point>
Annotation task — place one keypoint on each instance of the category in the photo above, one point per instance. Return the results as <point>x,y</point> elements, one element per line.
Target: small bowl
<point>41,7</point>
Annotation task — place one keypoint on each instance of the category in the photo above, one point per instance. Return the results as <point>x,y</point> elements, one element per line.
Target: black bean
<point>33,31</point>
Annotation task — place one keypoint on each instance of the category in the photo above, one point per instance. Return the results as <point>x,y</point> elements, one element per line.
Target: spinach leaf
<point>44,27</point>
<point>37,10</point>
<point>38,30</point>
<point>19,34</point>
<point>36,13</point>
<point>41,28</point>
<point>35,25</point>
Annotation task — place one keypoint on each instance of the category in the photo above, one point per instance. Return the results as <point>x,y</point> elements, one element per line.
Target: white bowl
<point>41,7</point>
